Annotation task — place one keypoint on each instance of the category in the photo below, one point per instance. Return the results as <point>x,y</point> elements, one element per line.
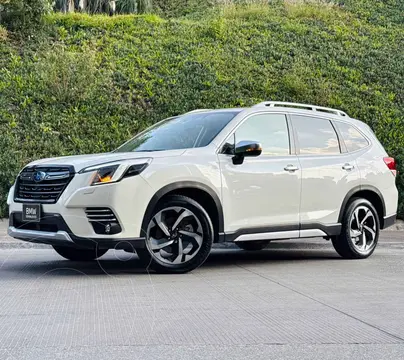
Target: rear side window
<point>315,136</point>
<point>270,130</point>
<point>353,139</point>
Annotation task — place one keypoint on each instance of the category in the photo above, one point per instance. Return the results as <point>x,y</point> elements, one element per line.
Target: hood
<point>82,161</point>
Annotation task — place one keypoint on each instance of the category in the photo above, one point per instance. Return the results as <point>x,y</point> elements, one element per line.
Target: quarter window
<point>315,136</point>
<point>270,130</point>
<point>353,139</point>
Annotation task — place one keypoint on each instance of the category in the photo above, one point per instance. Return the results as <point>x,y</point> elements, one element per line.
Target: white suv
<point>249,176</point>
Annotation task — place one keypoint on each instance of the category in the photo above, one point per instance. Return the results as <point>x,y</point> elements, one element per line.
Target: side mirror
<point>246,149</point>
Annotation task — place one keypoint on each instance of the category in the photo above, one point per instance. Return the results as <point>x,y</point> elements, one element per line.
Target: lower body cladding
<point>53,230</point>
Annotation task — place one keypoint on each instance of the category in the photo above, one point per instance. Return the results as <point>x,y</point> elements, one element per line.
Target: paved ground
<point>290,301</point>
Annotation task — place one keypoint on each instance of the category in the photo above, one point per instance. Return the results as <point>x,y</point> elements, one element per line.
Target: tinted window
<point>183,132</point>
<point>316,136</point>
<point>271,130</point>
<point>353,139</point>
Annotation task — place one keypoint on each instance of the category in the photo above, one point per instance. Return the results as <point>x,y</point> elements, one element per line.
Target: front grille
<point>103,220</point>
<point>42,184</point>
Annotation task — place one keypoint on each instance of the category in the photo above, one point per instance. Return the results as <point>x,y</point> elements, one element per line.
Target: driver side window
<point>270,130</point>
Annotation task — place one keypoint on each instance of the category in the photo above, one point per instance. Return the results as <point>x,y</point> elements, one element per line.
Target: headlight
<point>112,172</point>
<point>104,175</point>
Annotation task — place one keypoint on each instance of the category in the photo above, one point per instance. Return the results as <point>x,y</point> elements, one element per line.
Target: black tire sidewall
<point>208,236</point>
<point>344,239</point>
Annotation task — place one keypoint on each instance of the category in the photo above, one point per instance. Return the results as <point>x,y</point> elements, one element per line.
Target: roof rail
<point>302,106</point>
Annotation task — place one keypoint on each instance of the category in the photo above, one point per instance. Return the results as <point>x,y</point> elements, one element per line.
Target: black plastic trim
<point>341,140</point>
<point>330,230</point>
<point>182,185</point>
<point>355,190</point>
<point>389,221</point>
<point>292,135</point>
<point>56,221</point>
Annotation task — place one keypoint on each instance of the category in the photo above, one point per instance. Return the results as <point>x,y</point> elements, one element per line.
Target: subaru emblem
<point>39,176</point>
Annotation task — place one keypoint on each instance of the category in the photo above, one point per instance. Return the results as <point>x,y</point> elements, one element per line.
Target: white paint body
<point>256,194</point>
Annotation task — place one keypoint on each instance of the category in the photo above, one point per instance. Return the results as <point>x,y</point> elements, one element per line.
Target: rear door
<point>328,172</point>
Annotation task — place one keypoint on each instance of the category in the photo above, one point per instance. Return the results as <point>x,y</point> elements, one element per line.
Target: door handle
<point>348,167</point>
<point>291,168</point>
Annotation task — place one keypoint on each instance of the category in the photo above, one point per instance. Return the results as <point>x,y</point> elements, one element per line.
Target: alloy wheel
<point>174,235</point>
<point>363,229</point>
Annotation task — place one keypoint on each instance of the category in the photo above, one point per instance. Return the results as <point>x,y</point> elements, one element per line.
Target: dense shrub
<point>23,15</point>
<point>381,12</point>
<point>97,80</point>
<point>3,33</point>
<point>177,8</point>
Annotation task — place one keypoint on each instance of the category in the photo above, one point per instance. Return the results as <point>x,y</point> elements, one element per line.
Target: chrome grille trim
<point>100,215</point>
<point>46,191</point>
<point>103,220</point>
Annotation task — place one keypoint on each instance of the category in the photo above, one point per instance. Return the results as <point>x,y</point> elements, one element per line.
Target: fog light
<point>103,221</point>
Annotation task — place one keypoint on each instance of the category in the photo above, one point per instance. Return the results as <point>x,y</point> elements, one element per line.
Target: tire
<point>185,226</point>
<point>73,254</point>
<point>253,245</point>
<point>360,230</point>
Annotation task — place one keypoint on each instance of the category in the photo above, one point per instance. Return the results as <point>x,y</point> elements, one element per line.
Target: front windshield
<point>183,132</point>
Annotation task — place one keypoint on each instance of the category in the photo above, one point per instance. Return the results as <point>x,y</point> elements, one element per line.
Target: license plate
<point>31,212</point>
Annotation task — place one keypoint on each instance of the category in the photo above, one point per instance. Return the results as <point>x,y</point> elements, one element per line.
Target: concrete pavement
<point>294,300</point>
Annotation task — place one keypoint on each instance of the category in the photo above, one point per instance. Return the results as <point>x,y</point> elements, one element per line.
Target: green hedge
<point>87,83</point>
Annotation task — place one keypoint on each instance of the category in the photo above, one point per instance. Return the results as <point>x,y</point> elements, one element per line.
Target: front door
<point>262,195</point>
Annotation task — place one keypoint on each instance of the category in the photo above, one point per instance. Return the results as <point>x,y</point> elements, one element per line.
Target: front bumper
<point>53,230</point>
<point>127,199</point>
<point>57,238</point>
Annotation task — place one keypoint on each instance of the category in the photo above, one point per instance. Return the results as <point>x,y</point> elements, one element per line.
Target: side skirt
<point>282,232</point>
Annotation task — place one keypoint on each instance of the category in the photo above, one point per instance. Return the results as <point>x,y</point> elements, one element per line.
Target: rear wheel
<point>360,231</point>
<point>179,236</point>
<point>253,245</point>
<point>79,254</point>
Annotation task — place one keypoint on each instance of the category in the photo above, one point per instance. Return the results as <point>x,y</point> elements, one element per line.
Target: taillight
<point>391,164</point>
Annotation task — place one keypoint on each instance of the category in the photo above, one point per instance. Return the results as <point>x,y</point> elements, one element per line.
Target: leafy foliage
<point>177,8</point>
<point>3,33</point>
<point>379,12</point>
<point>23,15</point>
<point>97,80</point>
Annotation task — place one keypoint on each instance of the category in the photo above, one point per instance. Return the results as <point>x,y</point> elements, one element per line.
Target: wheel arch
<point>199,192</point>
<point>369,193</point>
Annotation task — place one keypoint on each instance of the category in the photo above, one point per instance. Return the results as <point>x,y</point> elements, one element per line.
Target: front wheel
<point>360,231</point>
<point>73,254</point>
<point>179,236</point>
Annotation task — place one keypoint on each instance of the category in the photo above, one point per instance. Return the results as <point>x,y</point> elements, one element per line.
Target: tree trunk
<point>112,7</point>
<point>70,6</point>
<point>82,5</point>
<point>144,6</point>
